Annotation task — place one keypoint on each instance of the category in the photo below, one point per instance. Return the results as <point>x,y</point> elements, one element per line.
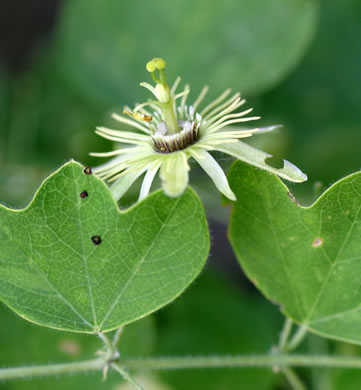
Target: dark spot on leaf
<point>87,170</point>
<point>84,194</point>
<point>292,197</point>
<point>274,162</point>
<point>96,240</point>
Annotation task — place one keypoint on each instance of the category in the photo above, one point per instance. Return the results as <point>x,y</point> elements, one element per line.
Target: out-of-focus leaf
<point>46,121</point>
<point>248,45</point>
<point>72,261</point>
<point>214,317</point>
<point>346,379</point>
<point>319,104</point>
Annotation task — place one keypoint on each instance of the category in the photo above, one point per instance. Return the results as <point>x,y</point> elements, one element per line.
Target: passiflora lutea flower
<point>166,132</point>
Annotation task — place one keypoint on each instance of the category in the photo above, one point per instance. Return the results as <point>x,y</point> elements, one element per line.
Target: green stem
<point>285,360</point>
<point>297,338</point>
<point>285,334</point>
<point>51,369</point>
<point>116,337</point>
<point>125,375</point>
<point>192,362</point>
<point>293,379</point>
<point>108,345</point>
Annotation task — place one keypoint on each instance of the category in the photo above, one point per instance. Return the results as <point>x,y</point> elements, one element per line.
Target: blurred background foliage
<point>65,65</point>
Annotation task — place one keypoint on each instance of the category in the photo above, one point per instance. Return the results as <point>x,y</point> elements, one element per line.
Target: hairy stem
<point>172,363</point>
<point>110,351</point>
<point>294,360</point>
<point>116,337</point>
<point>52,369</point>
<point>124,373</point>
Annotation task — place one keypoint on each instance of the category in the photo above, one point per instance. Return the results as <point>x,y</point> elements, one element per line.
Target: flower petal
<point>214,171</point>
<point>174,174</point>
<point>121,185</point>
<point>257,158</point>
<point>148,180</point>
<point>114,162</point>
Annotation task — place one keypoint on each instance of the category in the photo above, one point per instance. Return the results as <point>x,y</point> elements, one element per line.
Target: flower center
<point>188,135</point>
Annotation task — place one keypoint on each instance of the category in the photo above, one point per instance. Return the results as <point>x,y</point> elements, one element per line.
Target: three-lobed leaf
<point>73,261</point>
<point>307,259</point>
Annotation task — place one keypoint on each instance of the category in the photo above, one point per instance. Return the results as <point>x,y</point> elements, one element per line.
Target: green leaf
<point>248,45</point>
<point>307,259</point>
<point>72,261</point>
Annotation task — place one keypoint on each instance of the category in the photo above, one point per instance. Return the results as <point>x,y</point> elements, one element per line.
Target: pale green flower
<point>165,137</point>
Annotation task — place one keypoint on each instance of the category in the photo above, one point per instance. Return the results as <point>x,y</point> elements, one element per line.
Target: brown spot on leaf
<point>318,241</point>
<point>84,194</point>
<point>292,197</point>
<point>87,170</point>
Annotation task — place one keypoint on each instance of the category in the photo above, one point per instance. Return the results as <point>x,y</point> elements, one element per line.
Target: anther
<point>138,115</point>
